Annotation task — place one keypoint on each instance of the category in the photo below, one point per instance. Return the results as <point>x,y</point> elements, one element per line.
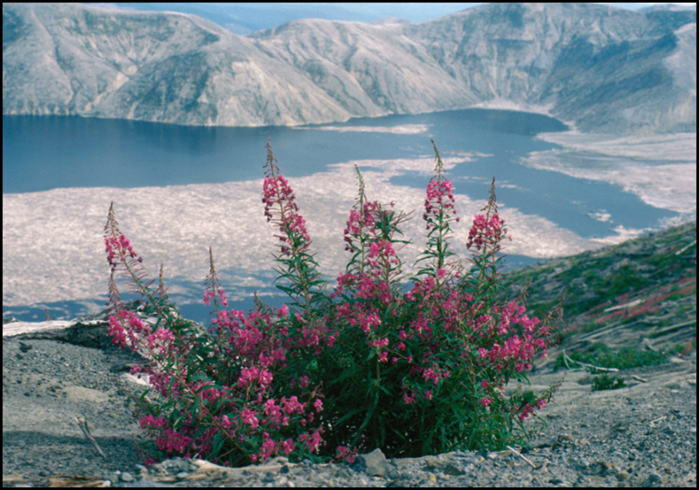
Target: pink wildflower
<point>248,417</point>
<point>288,446</point>
<point>439,201</point>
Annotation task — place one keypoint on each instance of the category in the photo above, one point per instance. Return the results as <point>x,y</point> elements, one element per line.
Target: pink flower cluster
<point>522,337</point>
<point>381,256</point>
<point>209,296</point>
<point>173,442</point>
<point>434,375</point>
<point>359,222</point>
<point>365,286</point>
<point>344,453</point>
<point>136,328</point>
<point>313,441</point>
<point>440,199</point>
<point>254,375</point>
<point>486,230</point>
<point>119,248</point>
<point>271,448</point>
<point>277,191</point>
<point>277,416</point>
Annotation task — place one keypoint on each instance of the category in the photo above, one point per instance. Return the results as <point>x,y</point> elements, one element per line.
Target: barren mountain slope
<point>601,68</point>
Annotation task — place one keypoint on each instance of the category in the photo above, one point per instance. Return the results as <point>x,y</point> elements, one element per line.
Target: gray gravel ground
<point>46,384</point>
<point>642,435</point>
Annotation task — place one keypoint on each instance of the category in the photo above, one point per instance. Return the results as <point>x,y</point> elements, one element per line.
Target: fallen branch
<point>671,328</point>
<point>82,423</point>
<point>624,306</point>
<point>521,456</point>
<point>685,248</point>
<point>566,359</point>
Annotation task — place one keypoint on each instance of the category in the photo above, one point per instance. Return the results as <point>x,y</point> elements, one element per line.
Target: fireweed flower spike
<point>370,236</point>
<point>213,291</point>
<point>297,265</point>
<point>121,256</point>
<point>439,213</point>
<point>413,370</point>
<point>360,222</point>
<point>484,239</point>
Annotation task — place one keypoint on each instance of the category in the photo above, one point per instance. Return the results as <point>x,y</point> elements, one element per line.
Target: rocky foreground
<point>55,376</point>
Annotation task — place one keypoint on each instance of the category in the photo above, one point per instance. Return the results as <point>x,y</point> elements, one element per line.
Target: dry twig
<point>82,423</point>
<point>566,359</point>
<point>521,456</point>
<point>685,248</point>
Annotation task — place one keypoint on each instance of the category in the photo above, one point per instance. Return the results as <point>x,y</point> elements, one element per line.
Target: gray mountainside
<point>602,68</point>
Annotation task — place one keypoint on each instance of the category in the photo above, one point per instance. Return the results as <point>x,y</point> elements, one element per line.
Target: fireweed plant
<point>413,365</point>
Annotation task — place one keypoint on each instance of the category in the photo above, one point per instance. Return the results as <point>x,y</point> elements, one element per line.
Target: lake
<point>47,153</point>
<point>60,151</point>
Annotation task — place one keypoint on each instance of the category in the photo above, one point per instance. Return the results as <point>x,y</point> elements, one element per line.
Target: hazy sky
<point>419,12</point>
<point>247,17</point>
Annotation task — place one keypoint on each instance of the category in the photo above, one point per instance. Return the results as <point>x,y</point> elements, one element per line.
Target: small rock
<point>431,462</point>
<point>452,469</point>
<point>126,477</point>
<point>622,476</point>
<point>654,477</point>
<point>373,463</point>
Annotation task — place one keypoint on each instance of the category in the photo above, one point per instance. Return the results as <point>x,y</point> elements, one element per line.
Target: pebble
<point>552,467</point>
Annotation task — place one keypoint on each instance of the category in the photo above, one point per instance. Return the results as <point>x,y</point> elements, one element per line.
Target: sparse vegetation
<point>684,348</point>
<point>604,382</point>
<point>624,279</point>
<point>602,356</point>
<point>645,284</point>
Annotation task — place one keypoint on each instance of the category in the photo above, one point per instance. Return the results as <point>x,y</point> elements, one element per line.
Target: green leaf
<point>218,442</point>
<point>346,373</point>
<point>348,415</point>
<point>370,412</point>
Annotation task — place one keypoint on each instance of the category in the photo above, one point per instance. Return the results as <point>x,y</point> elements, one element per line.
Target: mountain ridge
<point>600,68</point>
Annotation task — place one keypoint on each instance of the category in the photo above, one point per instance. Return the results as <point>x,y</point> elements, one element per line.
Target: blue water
<point>46,152</point>
<point>59,151</point>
